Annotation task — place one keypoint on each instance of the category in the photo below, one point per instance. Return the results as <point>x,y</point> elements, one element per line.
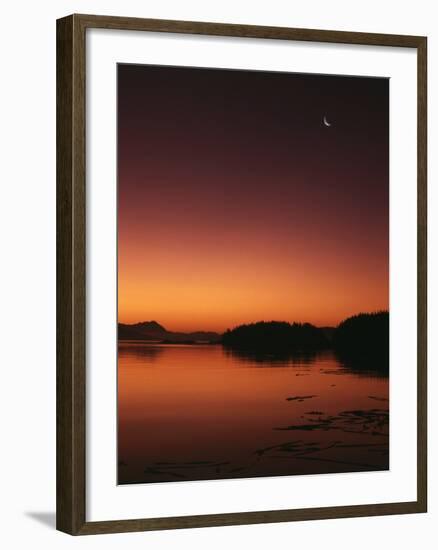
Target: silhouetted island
<point>363,340</point>
<point>276,336</point>
<point>153,331</point>
<point>360,341</point>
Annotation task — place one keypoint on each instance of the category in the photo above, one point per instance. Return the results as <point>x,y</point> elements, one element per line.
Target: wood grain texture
<point>71,229</point>
<point>248,518</point>
<point>247,31</point>
<point>64,326</point>
<point>422,274</point>
<point>71,269</point>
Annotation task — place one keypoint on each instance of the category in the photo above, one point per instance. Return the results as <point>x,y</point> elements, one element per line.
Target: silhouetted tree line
<point>275,336</point>
<point>364,338</point>
<point>361,338</point>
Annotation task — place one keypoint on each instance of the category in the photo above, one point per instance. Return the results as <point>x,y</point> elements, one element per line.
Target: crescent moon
<point>326,122</point>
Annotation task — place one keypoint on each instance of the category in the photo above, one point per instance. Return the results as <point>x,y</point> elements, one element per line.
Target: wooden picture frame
<point>71,272</point>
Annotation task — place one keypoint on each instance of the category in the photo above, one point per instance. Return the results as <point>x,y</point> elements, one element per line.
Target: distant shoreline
<point>359,339</point>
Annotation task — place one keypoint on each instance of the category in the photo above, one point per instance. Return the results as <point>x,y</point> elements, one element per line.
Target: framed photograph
<point>241,274</point>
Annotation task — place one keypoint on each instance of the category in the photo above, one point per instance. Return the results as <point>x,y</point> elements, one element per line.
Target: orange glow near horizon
<point>248,282</point>
<point>237,205</point>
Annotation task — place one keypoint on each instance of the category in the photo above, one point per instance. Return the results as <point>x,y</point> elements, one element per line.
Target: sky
<point>236,203</point>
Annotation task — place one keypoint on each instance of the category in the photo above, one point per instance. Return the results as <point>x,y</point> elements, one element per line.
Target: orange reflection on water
<point>199,412</point>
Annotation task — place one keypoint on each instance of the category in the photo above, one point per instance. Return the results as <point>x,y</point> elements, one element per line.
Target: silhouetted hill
<point>151,330</point>
<point>275,336</point>
<point>364,340</point>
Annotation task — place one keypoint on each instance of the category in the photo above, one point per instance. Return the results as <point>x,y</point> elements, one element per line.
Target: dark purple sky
<point>236,203</point>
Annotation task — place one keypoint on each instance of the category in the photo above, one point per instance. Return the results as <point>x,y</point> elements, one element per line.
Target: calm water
<point>199,412</point>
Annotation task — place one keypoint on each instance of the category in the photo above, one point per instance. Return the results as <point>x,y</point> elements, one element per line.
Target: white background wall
<point>27,252</point>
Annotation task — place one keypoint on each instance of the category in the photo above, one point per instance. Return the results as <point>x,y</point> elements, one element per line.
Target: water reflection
<point>140,350</point>
<point>376,365</point>
<point>203,412</point>
<point>282,358</point>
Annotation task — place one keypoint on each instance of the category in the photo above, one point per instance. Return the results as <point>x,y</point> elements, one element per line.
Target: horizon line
<point>259,321</point>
